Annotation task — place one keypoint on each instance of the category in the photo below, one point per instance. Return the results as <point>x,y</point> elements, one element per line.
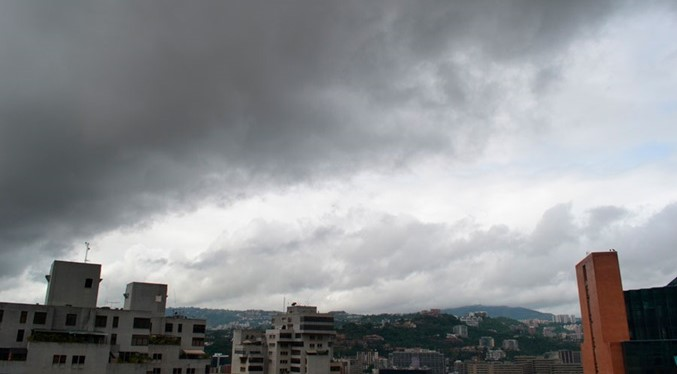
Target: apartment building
<point>69,333</point>
<point>418,358</point>
<point>300,341</point>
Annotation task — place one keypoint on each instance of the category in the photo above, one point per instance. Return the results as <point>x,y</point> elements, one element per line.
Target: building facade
<point>625,332</point>
<point>301,341</point>
<point>417,358</point>
<point>70,334</point>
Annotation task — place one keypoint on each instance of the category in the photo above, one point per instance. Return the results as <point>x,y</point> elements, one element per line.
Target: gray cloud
<point>396,263</point>
<point>112,113</point>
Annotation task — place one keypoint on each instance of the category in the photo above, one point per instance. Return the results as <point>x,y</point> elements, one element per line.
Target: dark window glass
<point>89,282</point>
<point>198,329</point>
<point>139,339</point>
<point>116,320</point>
<point>101,321</point>
<point>169,327</point>
<point>23,317</point>
<point>180,327</point>
<point>71,319</point>
<point>1,314</point>
<point>113,339</point>
<point>142,323</point>
<point>39,318</point>
<point>20,335</point>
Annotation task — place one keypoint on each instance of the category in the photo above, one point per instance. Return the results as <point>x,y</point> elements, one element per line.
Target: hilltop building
<point>625,332</point>
<point>563,318</point>
<point>510,345</point>
<point>461,331</point>
<point>486,341</point>
<point>300,341</point>
<point>69,333</point>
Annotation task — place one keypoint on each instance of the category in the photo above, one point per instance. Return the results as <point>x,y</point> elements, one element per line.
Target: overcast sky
<point>381,156</point>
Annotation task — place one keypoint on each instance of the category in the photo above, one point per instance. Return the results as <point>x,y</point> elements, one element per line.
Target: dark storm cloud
<point>113,112</point>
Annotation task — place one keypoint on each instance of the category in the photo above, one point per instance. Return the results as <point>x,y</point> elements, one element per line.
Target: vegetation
<point>164,340</point>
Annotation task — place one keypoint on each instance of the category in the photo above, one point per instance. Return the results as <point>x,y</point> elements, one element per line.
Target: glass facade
<point>652,313</point>
<point>652,320</point>
<point>650,356</point>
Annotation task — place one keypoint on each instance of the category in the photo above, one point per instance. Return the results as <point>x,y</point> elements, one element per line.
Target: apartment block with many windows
<point>70,333</point>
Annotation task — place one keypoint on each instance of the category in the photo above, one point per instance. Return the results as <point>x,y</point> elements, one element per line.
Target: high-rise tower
<point>603,314</point>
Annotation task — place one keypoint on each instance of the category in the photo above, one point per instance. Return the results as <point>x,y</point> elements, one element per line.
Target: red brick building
<point>603,313</point>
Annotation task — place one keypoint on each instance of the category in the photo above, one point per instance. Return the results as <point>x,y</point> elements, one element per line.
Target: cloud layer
<point>116,116</point>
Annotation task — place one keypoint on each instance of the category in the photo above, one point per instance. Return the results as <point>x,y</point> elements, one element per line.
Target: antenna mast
<point>87,250</point>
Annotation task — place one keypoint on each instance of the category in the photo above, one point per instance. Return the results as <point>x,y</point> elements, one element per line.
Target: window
<point>198,342</point>
<point>58,359</point>
<point>180,327</point>
<point>190,371</point>
<point>39,318</point>
<point>113,339</point>
<point>157,356</point>
<point>88,282</point>
<point>157,371</point>
<point>71,319</point>
<point>20,335</point>
<point>142,323</point>
<point>116,320</point>
<point>139,339</point>
<point>198,329</point>
<point>176,371</point>
<point>78,360</point>
<point>1,313</point>
<point>23,317</point>
<point>169,327</point>
<point>101,321</point>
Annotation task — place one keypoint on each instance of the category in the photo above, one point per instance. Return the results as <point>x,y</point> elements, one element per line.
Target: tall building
<point>249,351</point>
<point>625,332</point>
<point>301,341</point>
<point>69,333</point>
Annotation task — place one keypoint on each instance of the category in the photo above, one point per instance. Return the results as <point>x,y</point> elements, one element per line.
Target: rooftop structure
<point>70,333</point>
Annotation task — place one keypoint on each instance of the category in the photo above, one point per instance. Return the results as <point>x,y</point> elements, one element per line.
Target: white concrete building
<point>418,358</point>
<point>70,334</point>
<point>300,342</point>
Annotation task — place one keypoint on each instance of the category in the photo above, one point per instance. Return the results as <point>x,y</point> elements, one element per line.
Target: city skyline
<point>381,157</point>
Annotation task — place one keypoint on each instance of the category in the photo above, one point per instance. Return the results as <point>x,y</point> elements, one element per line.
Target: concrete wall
<point>73,283</point>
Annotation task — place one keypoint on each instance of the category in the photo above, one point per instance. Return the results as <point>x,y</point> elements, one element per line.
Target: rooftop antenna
<point>87,250</point>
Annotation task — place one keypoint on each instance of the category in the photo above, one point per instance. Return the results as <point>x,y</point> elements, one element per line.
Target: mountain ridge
<point>225,318</point>
<point>513,312</point>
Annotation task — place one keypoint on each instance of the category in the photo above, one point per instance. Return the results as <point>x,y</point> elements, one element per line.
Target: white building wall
<point>113,330</point>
